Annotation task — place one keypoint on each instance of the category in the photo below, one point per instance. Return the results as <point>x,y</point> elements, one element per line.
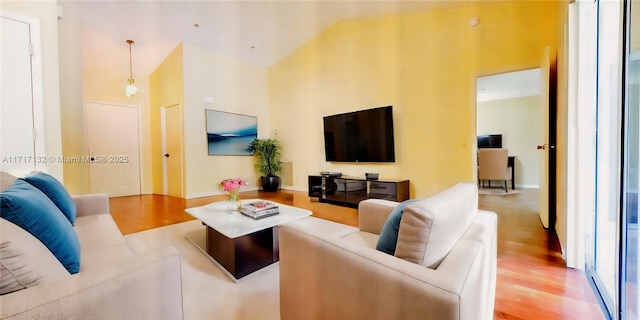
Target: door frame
<point>140,141</point>
<point>553,150</point>
<point>163,140</point>
<point>553,142</point>
<point>163,137</point>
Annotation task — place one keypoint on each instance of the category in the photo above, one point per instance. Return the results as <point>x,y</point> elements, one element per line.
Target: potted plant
<point>268,162</point>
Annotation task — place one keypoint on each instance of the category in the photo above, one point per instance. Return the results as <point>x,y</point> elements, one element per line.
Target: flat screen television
<point>490,141</point>
<point>360,136</point>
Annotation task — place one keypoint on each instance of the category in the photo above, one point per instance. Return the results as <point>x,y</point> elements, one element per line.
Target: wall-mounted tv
<point>360,136</point>
<point>490,141</point>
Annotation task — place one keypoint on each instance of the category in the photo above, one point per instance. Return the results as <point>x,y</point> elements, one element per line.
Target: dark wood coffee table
<point>240,245</point>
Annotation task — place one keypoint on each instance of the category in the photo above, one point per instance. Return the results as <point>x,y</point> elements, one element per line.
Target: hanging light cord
<point>130,42</point>
<point>131,89</point>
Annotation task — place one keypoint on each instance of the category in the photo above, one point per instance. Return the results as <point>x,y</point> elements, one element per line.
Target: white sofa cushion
<point>430,228</point>
<point>101,241</point>
<point>24,260</point>
<point>323,227</point>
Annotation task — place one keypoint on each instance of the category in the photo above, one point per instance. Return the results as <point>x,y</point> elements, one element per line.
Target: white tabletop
<point>233,224</point>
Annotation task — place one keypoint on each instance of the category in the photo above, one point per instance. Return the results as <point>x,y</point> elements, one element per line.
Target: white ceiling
<point>508,85</point>
<point>258,32</point>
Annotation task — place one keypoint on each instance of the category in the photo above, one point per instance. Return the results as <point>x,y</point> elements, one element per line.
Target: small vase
<point>233,204</point>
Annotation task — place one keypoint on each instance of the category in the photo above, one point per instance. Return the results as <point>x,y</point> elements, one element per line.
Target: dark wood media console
<point>349,191</point>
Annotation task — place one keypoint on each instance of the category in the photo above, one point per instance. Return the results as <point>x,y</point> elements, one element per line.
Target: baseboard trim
<point>527,186</point>
<point>293,188</point>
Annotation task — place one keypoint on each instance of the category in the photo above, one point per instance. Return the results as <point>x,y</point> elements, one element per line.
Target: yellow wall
<point>424,65</point>
<point>46,13</point>
<point>235,87</point>
<point>166,88</point>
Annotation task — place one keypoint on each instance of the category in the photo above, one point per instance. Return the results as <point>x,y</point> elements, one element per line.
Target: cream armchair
<point>493,164</point>
<point>333,271</point>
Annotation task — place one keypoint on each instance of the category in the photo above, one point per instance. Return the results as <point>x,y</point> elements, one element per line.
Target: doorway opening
<point>510,106</point>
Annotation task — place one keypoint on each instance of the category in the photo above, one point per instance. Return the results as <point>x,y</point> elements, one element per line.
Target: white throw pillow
<point>24,260</point>
<point>430,228</point>
<point>6,180</point>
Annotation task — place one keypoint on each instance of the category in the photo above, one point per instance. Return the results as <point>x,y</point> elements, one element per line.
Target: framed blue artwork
<point>230,134</point>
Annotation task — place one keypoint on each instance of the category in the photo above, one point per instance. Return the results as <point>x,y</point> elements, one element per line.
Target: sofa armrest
<point>373,213</point>
<point>92,204</point>
<point>341,280</point>
<point>145,286</point>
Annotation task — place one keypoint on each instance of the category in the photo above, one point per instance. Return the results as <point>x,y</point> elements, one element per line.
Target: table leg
<point>511,162</point>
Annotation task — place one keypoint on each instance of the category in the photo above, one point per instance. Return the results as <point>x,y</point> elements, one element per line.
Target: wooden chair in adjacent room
<point>493,165</point>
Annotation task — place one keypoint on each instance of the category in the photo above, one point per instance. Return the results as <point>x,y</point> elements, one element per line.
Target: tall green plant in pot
<point>268,162</point>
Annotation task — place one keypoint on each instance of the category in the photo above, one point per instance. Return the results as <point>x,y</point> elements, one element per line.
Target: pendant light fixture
<point>131,89</point>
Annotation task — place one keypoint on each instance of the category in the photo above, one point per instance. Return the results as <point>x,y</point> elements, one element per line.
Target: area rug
<point>497,192</point>
<point>207,292</point>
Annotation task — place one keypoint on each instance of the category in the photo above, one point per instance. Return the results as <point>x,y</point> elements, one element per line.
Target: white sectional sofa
<point>444,264</point>
<point>112,281</point>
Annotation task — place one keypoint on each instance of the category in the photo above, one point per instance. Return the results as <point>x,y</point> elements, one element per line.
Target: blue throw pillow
<point>30,209</point>
<point>389,234</point>
<point>51,187</point>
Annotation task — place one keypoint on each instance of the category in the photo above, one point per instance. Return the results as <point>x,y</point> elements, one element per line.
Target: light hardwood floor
<point>532,280</point>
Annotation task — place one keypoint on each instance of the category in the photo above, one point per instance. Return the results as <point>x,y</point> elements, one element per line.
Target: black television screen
<point>360,136</point>
<point>490,141</point>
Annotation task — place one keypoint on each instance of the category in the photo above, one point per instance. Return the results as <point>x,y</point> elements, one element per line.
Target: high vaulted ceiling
<point>258,32</point>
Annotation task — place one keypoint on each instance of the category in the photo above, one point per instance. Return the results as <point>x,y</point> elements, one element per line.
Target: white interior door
<point>543,148</point>
<point>19,153</point>
<point>173,151</point>
<point>114,149</point>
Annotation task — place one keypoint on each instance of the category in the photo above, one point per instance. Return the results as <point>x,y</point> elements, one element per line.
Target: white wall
<point>518,120</point>
<point>235,87</point>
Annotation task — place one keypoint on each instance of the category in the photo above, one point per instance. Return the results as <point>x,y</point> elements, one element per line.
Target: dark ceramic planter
<point>270,183</point>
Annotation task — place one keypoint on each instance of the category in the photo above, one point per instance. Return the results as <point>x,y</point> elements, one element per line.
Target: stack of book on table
<point>259,209</point>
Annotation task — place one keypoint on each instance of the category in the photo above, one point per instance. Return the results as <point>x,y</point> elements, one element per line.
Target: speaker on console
<point>371,175</point>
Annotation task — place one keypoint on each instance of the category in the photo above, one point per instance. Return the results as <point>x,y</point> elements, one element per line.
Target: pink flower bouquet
<point>232,186</point>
